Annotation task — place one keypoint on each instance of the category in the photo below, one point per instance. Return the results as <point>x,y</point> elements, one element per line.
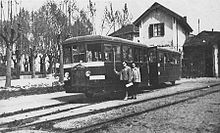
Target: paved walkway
<point>31,82</point>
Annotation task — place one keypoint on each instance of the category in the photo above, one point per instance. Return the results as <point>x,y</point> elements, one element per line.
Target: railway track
<point>150,105</point>
<point>72,113</point>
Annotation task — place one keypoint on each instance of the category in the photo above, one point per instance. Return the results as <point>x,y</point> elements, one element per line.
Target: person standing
<point>136,79</point>
<point>125,77</point>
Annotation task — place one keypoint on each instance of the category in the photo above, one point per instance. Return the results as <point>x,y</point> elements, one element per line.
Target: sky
<point>207,11</point>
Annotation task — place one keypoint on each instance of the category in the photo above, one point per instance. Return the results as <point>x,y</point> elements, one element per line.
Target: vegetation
<point>115,19</point>
<point>26,36</point>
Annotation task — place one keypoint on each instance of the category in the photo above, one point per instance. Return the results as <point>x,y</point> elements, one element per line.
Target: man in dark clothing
<point>125,77</point>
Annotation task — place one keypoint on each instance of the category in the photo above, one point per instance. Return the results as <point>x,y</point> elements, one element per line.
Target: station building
<point>159,26</point>
<point>201,55</point>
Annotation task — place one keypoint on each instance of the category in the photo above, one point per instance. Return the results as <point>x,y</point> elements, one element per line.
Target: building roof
<point>204,38</point>
<point>128,29</point>
<point>182,21</point>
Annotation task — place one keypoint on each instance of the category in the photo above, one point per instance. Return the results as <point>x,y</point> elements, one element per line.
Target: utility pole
<point>1,16</point>
<point>8,10</point>
<point>1,27</point>
<point>66,1</point>
<point>198,26</point>
<point>16,3</point>
<point>11,14</point>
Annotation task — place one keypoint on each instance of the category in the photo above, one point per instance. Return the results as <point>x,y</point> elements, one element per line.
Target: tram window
<point>127,53</point>
<point>94,52</point>
<point>166,58</point>
<point>117,50</point>
<point>108,52</point>
<point>176,59</point>
<point>152,57</point>
<point>141,55</point>
<point>145,56</point>
<point>172,59</point>
<point>78,53</point>
<point>136,54</point>
<point>89,56</point>
<point>66,55</point>
<point>124,52</point>
<point>161,57</point>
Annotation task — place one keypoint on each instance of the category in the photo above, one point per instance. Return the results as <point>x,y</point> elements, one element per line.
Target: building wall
<point>200,61</point>
<point>174,34</point>
<point>181,37</point>
<point>215,60</point>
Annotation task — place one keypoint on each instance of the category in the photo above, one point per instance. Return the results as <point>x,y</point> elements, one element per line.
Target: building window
<point>156,30</point>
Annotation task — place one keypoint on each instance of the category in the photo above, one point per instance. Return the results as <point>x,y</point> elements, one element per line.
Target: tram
<point>89,63</point>
<point>164,65</point>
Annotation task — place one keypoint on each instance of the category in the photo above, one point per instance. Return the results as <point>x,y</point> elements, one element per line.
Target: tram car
<point>164,65</point>
<point>89,63</point>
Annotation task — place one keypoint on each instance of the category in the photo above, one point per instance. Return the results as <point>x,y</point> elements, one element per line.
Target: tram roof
<point>168,49</point>
<point>94,38</point>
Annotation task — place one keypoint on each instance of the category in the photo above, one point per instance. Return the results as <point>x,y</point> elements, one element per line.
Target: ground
<point>20,87</point>
<point>201,115</point>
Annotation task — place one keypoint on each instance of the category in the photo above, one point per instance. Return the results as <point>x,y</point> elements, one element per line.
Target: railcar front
<point>89,66</point>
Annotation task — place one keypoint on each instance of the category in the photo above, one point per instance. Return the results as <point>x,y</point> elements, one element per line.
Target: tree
<point>115,19</point>
<point>124,18</point>
<point>57,20</point>
<point>92,11</point>
<point>10,36</point>
<point>22,46</point>
<point>110,17</point>
<point>45,33</point>
<point>82,25</point>
<point>41,31</point>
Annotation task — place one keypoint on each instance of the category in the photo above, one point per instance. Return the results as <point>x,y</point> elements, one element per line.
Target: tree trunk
<point>61,79</point>
<point>51,62</point>
<point>55,67</point>
<point>33,64</point>
<point>8,68</point>
<point>51,67</point>
<point>44,66</point>
<point>18,69</point>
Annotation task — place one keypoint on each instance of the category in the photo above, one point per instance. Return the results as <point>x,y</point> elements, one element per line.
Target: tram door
<point>153,66</point>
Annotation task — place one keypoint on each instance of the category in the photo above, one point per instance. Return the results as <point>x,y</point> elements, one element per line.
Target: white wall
<point>174,33</point>
<point>215,60</point>
<point>181,37</point>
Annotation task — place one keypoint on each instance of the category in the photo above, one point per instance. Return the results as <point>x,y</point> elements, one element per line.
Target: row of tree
<point>42,32</point>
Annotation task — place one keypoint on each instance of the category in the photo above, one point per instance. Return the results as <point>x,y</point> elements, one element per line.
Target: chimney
<point>185,18</point>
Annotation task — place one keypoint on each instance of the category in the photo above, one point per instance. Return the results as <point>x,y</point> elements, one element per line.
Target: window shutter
<point>162,29</point>
<point>150,30</point>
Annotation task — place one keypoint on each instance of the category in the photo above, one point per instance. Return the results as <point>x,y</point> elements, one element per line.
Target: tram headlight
<point>88,73</point>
